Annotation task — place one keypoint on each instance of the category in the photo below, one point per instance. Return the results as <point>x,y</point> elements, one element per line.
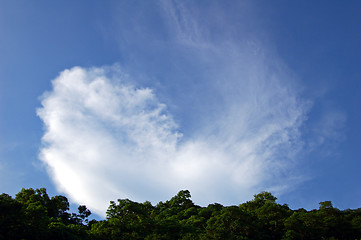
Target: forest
<point>32,214</point>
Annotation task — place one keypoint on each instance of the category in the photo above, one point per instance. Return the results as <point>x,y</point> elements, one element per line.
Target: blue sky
<point>140,99</point>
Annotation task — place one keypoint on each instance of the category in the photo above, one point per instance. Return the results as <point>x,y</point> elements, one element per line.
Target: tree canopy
<point>32,214</point>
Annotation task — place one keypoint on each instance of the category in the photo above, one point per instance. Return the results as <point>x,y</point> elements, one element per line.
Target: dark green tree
<point>12,218</point>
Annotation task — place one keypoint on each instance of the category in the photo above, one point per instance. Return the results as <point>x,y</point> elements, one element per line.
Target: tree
<point>57,207</point>
<point>130,219</point>
<point>34,204</point>
<point>11,218</point>
<point>333,222</point>
<point>233,223</point>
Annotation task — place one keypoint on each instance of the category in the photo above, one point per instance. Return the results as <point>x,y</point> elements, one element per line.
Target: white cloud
<point>96,127</point>
<point>106,138</point>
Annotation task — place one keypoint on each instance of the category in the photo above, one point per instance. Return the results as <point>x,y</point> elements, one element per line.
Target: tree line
<point>32,214</point>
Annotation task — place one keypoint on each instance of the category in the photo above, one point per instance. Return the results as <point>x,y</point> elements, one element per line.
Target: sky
<point>102,100</point>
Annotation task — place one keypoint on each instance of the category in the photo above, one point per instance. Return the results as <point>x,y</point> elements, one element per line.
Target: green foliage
<point>232,223</point>
<point>32,214</point>
<point>11,218</point>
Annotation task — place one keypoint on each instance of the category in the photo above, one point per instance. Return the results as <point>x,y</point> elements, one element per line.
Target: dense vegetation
<point>32,214</point>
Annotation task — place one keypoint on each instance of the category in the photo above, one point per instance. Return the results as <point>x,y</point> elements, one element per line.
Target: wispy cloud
<point>104,139</point>
<point>237,106</point>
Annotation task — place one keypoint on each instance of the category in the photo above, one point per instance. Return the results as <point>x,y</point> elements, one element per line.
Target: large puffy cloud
<point>105,139</point>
